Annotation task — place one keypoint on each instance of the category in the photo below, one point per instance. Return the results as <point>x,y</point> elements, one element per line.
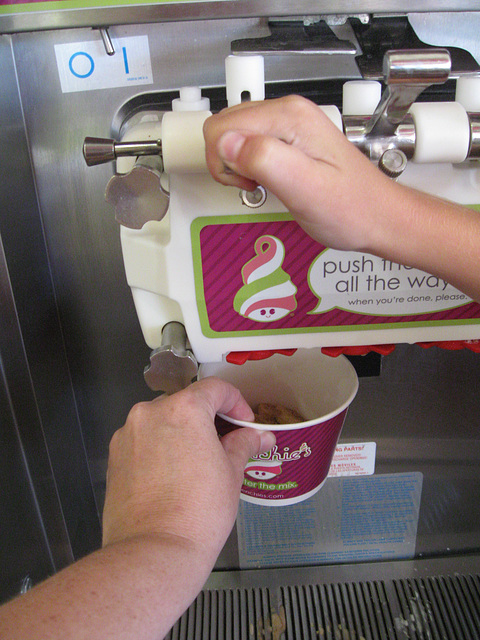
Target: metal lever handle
<point>101,150</point>
<point>172,366</point>
<point>407,74</point>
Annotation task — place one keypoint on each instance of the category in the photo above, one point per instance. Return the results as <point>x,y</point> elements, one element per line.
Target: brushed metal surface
<point>449,29</point>
<point>34,536</point>
<point>13,22</point>
<point>378,601</point>
<point>24,540</point>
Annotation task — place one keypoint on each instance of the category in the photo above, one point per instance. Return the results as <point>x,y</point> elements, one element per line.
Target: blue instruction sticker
<point>351,519</point>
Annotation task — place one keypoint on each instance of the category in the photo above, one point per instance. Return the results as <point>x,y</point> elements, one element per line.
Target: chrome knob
<point>138,196</point>
<point>406,73</point>
<point>393,163</point>
<point>102,150</point>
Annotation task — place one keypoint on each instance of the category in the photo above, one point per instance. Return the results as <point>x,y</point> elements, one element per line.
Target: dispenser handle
<point>173,365</point>
<point>406,74</point>
<point>102,150</point>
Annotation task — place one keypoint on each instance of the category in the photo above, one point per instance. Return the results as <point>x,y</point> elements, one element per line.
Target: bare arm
<point>132,589</point>
<point>336,194</point>
<point>172,497</point>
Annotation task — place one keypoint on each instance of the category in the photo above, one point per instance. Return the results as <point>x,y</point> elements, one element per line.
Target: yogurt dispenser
<point>216,273</point>
<point>143,261</point>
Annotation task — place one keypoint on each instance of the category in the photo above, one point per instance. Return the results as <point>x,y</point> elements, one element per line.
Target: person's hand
<point>170,474</point>
<point>172,497</point>
<point>289,146</point>
<point>336,194</point>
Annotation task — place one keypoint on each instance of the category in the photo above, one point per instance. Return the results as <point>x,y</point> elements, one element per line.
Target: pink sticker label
<point>265,274</point>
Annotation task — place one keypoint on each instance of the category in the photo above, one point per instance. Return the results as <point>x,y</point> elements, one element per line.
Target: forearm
<point>137,589</point>
<point>431,234</point>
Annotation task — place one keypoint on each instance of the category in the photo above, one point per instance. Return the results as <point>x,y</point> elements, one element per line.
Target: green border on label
<point>61,5</point>
<point>199,223</point>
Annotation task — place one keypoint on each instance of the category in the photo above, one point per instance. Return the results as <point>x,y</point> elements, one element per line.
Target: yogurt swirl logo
<point>267,294</point>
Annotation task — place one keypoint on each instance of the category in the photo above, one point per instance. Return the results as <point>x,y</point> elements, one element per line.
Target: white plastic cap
<point>361,97</point>
<point>333,113</point>
<point>442,132</point>
<point>190,100</point>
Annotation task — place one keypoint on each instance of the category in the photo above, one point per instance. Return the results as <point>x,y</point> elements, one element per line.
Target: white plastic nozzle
<point>183,144</point>
<point>333,113</point>
<point>442,132</point>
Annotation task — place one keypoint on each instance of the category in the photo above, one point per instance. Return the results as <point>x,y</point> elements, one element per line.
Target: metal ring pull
<point>254,199</point>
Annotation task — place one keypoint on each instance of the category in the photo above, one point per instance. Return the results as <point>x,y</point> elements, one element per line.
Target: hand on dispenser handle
<point>291,147</point>
<point>336,194</point>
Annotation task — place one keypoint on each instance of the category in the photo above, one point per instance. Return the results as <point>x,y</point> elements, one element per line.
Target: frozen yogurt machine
<point>124,266</point>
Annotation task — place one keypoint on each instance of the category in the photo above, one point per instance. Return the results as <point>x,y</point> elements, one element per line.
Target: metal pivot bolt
<point>26,585</point>
<point>172,366</point>
<point>107,41</point>
<point>393,163</point>
<point>253,199</point>
<point>406,74</point>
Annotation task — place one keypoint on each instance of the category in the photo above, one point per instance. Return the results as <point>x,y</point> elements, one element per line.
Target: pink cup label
<point>297,464</point>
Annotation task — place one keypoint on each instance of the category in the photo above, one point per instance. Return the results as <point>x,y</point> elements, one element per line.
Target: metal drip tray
<point>419,599</point>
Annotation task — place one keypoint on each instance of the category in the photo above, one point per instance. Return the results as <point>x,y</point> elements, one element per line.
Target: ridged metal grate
<point>431,608</point>
<point>440,607</point>
<point>227,614</point>
<point>339,611</point>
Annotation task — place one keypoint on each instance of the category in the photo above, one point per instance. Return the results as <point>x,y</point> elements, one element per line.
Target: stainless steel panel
<point>12,22</point>
<point>35,370</point>
<point>423,413</point>
<point>105,349</point>
<point>24,545</point>
<point>447,28</point>
<point>33,538</point>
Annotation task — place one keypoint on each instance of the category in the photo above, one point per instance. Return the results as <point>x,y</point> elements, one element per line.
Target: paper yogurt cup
<point>320,388</point>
